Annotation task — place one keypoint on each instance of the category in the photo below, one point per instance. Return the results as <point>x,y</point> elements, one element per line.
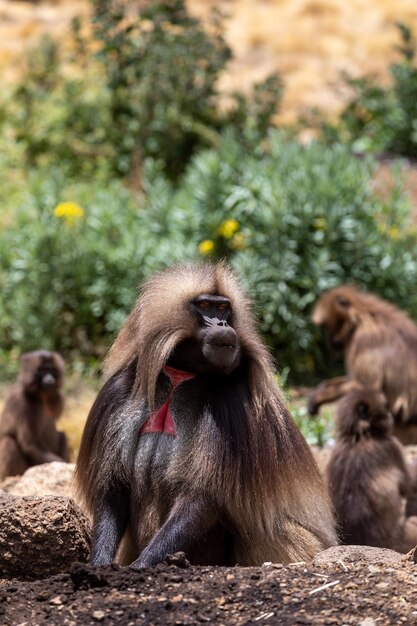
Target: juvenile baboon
<point>28,435</point>
<point>379,343</point>
<point>368,476</point>
<point>188,445</point>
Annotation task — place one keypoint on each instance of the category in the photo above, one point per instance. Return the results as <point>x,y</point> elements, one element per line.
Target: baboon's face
<point>365,413</point>
<point>334,312</point>
<point>374,410</point>
<point>41,370</point>
<point>215,347</point>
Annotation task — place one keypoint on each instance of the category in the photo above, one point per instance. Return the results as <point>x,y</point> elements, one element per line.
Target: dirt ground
<point>357,593</point>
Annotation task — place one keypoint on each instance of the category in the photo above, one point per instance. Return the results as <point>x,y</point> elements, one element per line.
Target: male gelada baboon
<point>28,435</point>
<point>368,477</point>
<point>379,343</point>
<point>189,446</point>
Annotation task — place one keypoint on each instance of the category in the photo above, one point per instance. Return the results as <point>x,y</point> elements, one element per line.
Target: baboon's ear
<point>363,410</point>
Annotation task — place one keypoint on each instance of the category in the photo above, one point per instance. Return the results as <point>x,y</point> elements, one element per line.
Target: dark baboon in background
<point>28,434</point>
<point>189,446</point>
<point>412,499</point>
<point>368,477</point>
<point>379,343</point>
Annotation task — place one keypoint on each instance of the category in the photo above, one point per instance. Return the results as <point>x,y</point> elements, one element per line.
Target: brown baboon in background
<point>379,343</point>
<point>368,476</point>
<point>189,446</point>
<point>412,499</point>
<point>28,435</point>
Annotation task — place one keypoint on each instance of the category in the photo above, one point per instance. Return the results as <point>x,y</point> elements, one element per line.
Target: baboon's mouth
<point>224,357</point>
<point>219,344</point>
<point>48,379</point>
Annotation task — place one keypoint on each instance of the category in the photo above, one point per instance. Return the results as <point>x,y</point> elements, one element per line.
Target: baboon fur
<point>368,476</point>
<point>379,342</point>
<point>238,467</point>
<point>28,433</point>
<point>412,499</point>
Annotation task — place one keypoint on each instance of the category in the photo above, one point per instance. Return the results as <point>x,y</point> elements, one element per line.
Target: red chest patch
<point>161,421</point>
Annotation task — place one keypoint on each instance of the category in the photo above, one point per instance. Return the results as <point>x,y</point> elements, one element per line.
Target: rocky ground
<point>364,589</point>
<point>41,535</point>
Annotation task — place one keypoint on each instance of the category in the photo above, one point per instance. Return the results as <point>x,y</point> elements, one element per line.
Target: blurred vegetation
<point>146,86</point>
<point>117,158</point>
<point>318,430</point>
<point>293,220</point>
<point>383,119</point>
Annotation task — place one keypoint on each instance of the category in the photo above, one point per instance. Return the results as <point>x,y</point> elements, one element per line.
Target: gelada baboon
<point>379,343</point>
<point>28,435</point>
<point>368,476</point>
<point>188,446</point>
<point>412,499</point>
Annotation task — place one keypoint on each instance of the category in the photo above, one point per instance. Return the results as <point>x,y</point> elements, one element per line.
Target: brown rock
<point>411,557</point>
<point>53,479</point>
<point>40,536</point>
<point>351,554</point>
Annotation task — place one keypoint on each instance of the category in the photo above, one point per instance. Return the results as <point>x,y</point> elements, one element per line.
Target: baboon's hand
<point>312,404</point>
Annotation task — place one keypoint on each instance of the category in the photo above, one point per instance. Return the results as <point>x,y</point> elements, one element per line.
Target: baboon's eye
<point>204,304</point>
<point>224,306</point>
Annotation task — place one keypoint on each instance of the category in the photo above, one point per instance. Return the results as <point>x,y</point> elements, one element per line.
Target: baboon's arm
<point>329,391</point>
<point>110,522</point>
<point>189,520</point>
<point>27,443</point>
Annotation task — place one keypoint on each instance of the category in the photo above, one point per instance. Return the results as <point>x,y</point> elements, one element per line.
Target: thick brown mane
<point>236,464</point>
<point>154,340</point>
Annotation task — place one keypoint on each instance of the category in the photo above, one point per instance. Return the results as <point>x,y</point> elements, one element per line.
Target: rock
<point>53,479</point>
<point>411,557</point>
<point>178,559</point>
<point>40,536</point>
<point>351,554</point>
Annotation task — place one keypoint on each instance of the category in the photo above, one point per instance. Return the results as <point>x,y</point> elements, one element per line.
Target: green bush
<point>148,90</point>
<point>293,221</point>
<point>58,114</point>
<point>383,119</point>
<point>71,260</point>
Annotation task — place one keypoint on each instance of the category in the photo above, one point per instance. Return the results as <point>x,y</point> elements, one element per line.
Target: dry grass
<point>310,42</point>
<point>77,406</point>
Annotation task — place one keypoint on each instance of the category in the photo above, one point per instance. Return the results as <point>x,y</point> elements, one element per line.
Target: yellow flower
<point>206,247</point>
<point>320,223</point>
<point>238,242</point>
<point>394,232</point>
<point>228,228</point>
<point>69,211</point>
